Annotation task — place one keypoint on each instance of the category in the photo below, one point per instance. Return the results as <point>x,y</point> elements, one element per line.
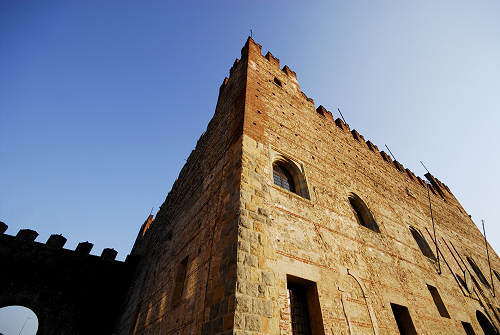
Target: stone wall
<point>196,226</point>
<point>358,272</point>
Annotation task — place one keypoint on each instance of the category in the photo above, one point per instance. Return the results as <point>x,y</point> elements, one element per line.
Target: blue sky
<point>101,102</point>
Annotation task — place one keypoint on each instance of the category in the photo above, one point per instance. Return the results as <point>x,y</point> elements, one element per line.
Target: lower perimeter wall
<point>70,291</point>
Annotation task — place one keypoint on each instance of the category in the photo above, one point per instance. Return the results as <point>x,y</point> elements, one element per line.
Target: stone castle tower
<point>286,221</point>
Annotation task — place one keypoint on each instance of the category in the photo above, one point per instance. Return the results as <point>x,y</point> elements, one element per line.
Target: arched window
<point>362,213</point>
<point>478,272</point>
<point>283,178</point>
<point>289,175</point>
<point>422,244</point>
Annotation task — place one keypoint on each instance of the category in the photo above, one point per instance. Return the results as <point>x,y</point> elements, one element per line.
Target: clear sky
<point>101,102</point>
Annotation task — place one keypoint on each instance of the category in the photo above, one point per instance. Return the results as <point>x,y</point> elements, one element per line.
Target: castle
<point>283,220</point>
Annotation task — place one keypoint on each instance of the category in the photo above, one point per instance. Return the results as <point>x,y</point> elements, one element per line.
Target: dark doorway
<point>403,320</point>
<point>485,324</point>
<point>301,325</point>
<point>305,311</point>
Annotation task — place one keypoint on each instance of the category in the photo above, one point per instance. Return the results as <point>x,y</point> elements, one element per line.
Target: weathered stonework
<point>246,239</point>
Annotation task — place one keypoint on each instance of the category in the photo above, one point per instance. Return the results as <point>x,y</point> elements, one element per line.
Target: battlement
<point>56,242</point>
<point>435,185</point>
<point>69,290</point>
<point>252,48</point>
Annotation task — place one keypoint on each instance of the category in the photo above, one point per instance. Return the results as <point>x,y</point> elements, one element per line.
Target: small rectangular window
<point>180,278</point>
<point>403,320</point>
<point>277,82</point>
<point>468,328</point>
<point>438,301</point>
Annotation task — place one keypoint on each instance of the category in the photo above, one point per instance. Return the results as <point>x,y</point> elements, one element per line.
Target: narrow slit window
<point>180,278</point>
<point>468,328</point>
<point>478,272</point>
<point>438,302</point>
<point>403,320</point>
<point>422,244</point>
<point>278,82</point>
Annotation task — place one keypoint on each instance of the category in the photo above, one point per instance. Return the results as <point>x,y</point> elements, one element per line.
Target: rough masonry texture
<point>343,243</point>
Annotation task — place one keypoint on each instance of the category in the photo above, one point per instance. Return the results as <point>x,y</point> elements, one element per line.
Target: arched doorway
<point>485,324</point>
<point>18,320</point>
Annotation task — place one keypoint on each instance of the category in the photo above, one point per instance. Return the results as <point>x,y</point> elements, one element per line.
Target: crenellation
<point>56,241</point>
<point>410,174</point>
<point>399,166</point>
<point>109,254</point>
<point>235,64</point>
<point>435,184</point>
<point>70,291</point>
<point>341,124</point>
<point>356,135</point>
<point>224,84</point>
<point>325,113</point>
<point>310,100</point>
<point>273,60</point>
<point>385,157</point>
<point>84,248</point>
<point>250,42</point>
<point>291,74</point>
<point>421,181</point>
<point>442,185</point>
<point>432,189</point>
<point>27,235</point>
<point>3,227</point>
<point>372,146</point>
